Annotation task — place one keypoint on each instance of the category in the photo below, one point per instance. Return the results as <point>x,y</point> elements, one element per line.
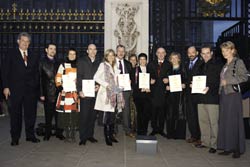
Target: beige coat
<point>100,103</point>
<point>240,75</point>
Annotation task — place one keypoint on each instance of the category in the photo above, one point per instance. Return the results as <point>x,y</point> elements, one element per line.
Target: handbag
<point>242,87</point>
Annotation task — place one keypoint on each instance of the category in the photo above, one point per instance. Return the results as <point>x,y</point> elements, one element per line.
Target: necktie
<point>25,58</point>
<point>159,68</point>
<point>191,65</point>
<point>120,67</point>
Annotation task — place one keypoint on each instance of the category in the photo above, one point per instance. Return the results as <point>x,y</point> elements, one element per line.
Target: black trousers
<point>50,113</point>
<point>109,118</point>
<point>192,117</point>
<point>143,108</point>
<point>87,118</point>
<point>158,118</point>
<point>18,107</point>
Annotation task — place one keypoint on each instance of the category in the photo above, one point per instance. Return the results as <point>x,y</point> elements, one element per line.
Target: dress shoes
<point>163,134</point>
<point>82,142</point>
<point>236,155</point>
<point>130,134</point>
<point>33,140</point>
<point>60,137</point>
<point>212,150</point>
<point>191,140</point>
<point>198,145</point>
<point>46,138</point>
<point>92,140</point>
<point>14,143</point>
<point>225,153</point>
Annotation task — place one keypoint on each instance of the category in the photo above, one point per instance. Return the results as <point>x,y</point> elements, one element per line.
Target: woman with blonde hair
<point>231,137</point>
<point>109,96</point>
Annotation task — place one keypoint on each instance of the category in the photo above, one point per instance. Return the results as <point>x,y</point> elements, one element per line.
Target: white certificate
<point>175,83</point>
<point>88,88</point>
<point>199,84</point>
<point>69,82</point>
<point>144,81</point>
<point>124,81</point>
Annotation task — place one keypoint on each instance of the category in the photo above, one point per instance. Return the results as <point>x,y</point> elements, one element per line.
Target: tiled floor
<point>55,153</point>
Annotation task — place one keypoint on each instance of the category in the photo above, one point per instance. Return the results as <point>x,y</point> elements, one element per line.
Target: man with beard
<point>48,92</point>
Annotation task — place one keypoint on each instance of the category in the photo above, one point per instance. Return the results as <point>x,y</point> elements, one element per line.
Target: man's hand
<point>81,94</point>
<point>6,92</point>
<point>206,90</point>
<point>223,82</point>
<point>42,98</point>
<point>167,87</point>
<point>152,81</point>
<point>165,80</point>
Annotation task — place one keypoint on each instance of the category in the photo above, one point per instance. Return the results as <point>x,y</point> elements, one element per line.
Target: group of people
<point>214,118</point>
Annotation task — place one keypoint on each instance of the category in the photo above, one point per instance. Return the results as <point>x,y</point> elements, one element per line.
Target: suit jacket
<point>158,89</point>
<point>128,66</point>
<point>86,70</point>
<point>21,79</point>
<point>190,73</point>
<point>240,75</point>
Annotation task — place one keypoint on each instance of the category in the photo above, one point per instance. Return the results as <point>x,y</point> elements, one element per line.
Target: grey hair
<point>24,34</point>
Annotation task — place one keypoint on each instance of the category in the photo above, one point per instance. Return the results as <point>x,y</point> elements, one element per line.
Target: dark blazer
<point>190,73</point>
<point>48,69</point>
<point>212,70</point>
<point>159,88</point>
<point>195,70</point>
<point>86,70</point>
<point>135,83</point>
<point>128,66</point>
<point>20,79</point>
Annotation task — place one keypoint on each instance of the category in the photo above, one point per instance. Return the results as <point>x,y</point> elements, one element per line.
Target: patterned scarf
<point>114,99</point>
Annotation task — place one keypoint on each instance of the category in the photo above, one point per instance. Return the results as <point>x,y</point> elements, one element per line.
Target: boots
<point>107,135</point>
<point>112,132</point>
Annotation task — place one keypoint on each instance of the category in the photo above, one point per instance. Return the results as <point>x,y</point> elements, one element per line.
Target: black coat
<point>158,89</point>
<point>20,79</point>
<point>86,70</point>
<point>135,83</point>
<point>212,70</point>
<point>47,70</point>
<point>128,66</point>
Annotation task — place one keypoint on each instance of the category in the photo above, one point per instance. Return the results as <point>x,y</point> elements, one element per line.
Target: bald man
<point>158,70</point>
<point>192,67</point>
<point>86,68</point>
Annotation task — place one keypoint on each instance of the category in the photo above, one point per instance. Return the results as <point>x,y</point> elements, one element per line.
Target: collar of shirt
<point>160,61</point>
<point>194,61</point>
<point>23,51</point>
<point>143,69</point>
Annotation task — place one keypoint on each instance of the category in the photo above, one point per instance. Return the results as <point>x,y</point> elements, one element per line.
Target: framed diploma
<point>88,88</point>
<point>68,82</point>
<point>144,81</point>
<point>199,84</point>
<point>175,83</point>
<point>124,81</point>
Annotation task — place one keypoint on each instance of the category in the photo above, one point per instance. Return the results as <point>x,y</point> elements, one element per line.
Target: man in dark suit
<point>20,76</point>
<point>192,67</point>
<point>48,67</point>
<point>158,70</point>
<point>86,69</point>
<point>125,67</point>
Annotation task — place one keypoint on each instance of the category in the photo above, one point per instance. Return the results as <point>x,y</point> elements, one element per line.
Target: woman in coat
<point>231,137</point>
<point>176,116</point>
<point>141,96</point>
<point>109,95</point>
<point>67,102</point>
